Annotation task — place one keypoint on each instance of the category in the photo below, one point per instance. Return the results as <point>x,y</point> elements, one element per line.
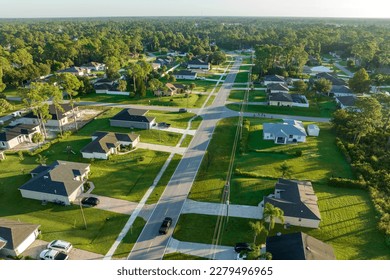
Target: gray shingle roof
<point>184,73</point>
<point>330,77</point>
<point>298,246</point>
<point>274,78</point>
<point>347,101</point>
<point>297,199</point>
<point>280,96</point>
<point>107,140</point>
<point>340,89</point>
<point>52,110</point>
<point>15,232</point>
<point>134,115</point>
<point>277,86</point>
<point>284,128</point>
<point>57,179</point>
<point>197,61</point>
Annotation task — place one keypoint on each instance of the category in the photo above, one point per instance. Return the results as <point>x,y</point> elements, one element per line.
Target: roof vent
<point>46,177</point>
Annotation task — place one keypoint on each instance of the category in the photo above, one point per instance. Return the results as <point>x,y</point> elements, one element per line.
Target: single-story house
<point>94,66</point>
<point>313,130</point>
<point>274,79</point>
<point>105,144</point>
<point>321,69</point>
<point>18,134</point>
<point>342,90</point>
<point>348,101</point>
<point>286,99</point>
<point>198,64</point>
<point>185,75</point>
<point>273,88</point>
<point>163,61</point>
<point>109,88</point>
<point>298,201</point>
<point>16,236</point>
<point>168,90</point>
<point>133,118</point>
<point>103,81</point>
<point>77,71</point>
<point>58,117</point>
<point>298,246</point>
<point>62,181</point>
<point>334,80</point>
<point>290,131</point>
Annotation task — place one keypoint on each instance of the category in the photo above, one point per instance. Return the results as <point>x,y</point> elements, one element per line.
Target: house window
<point>290,136</point>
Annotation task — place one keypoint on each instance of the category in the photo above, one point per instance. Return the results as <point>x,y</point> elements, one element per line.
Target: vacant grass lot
<point>254,96</point>
<point>176,119</point>
<point>242,77</point>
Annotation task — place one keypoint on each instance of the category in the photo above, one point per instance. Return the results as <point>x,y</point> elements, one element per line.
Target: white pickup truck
<point>50,254</point>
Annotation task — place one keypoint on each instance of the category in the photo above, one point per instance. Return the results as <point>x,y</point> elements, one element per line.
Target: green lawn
<point>159,189</point>
<point>322,109</point>
<point>254,96</point>
<point>11,92</point>
<point>176,119</point>
<point>196,122</point>
<point>242,77</point>
<point>180,256</point>
<point>201,85</point>
<point>187,140</point>
<point>129,240</point>
<point>245,67</point>
<point>57,222</point>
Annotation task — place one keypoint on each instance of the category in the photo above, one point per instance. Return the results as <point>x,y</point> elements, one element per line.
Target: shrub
<point>347,183</point>
<point>298,153</point>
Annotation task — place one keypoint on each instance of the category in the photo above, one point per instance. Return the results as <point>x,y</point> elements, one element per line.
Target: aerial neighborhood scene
<point>194,138</point>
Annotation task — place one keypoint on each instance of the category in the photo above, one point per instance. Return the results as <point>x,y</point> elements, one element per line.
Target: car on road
<point>165,225</point>
<point>182,110</point>
<point>60,245</point>
<point>53,255</point>
<point>90,201</point>
<point>242,246</point>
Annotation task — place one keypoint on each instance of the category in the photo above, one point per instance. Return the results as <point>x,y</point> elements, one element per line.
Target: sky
<point>278,8</point>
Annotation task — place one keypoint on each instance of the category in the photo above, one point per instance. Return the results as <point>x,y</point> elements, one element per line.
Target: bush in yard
<point>347,183</point>
<point>298,153</point>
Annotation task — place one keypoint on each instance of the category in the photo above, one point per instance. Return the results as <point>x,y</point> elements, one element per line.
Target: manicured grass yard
<point>242,77</point>
<point>176,119</point>
<point>254,96</point>
<point>187,140</point>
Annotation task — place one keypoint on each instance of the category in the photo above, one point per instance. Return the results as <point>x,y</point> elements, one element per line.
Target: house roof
<point>107,140</point>
<point>73,69</point>
<point>277,86</point>
<point>313,126</point>
<point>14,232</point>
<point>15,131</point>
<point>274,78</point>
<point>340,89</point>
<point>280,96</point>
<point>179,86</point>
<point>92,64</point>
<point>330,77</point>
<point>7,136</point>
<point>52,111</point>
<point>197,61</point>
<point>58,178</point>
<point>347,101</point>
<point>3,242</point>
<point>321,69</point>
<point>133,115</point>
<point>284,129</point>
<point>185,73</point>
<point>298,246</point>
<point>297,199</point>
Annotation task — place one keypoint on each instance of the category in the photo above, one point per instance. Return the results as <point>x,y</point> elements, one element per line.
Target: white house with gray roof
<point>62,181</point>
<point>298,201</point>
<point>289,131</point>
<point>133,118</point>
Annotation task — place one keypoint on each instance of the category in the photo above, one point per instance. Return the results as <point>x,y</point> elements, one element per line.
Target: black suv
<point>242,247</point>
<point>165,225</point>
<point>90,201</point>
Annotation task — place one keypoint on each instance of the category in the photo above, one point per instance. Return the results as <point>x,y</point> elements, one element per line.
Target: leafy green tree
<point>271,213</point>
<point>5,106</point>
<point>122,85</point>
<point>360,82</point>
<point>218,57</point>
<point>37,138</point>
<point>155,84</point>
<point>323,85</point>
<point>300,86</point>
<point>257,228</point>
<point>41,159</point>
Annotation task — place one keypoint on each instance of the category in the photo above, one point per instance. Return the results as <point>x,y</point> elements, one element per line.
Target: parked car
<point>90,201</point>
<point>60,245</point>
<point>164,124</point>
<point>182,110</point>
<point>165,225</point>
<point>50,254</point>
<point>242,246</point>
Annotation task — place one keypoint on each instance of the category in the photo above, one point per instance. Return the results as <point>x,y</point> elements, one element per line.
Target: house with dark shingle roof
<point>289,131</point>
<point>198,64</point>
<point>274,79</point>
<point>16,237</point>
<point>273,88</point>
<point>105,144</point>
<point>62,181</point>
<point>341,91</point>
<point>288,100</point>
<point>298,246</point>
<point>346,101</point>
<point>334,80</point>
<point>298,201</point>
<point>94,66</point>
<point>77,71</point>
<point>133,118</point>
<point>21,133</point>
<point>58,117</point>
<point>185,75</point>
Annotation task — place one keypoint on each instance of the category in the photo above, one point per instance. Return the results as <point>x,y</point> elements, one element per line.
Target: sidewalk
<point>176,130</point>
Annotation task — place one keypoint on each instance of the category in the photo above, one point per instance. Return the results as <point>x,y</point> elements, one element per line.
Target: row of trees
<point>365,137</point>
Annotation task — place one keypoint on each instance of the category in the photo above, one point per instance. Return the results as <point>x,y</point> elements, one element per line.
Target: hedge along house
<point>105,144</point>
<point>133,118</point>
<point>16,237</point>
<point>62,181</point>
<point>298,202</point>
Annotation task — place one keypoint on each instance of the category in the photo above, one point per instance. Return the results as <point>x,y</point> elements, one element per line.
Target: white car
<point>60,245</point>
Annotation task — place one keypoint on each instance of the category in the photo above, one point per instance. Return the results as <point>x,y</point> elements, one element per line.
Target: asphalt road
<point>150,244</point>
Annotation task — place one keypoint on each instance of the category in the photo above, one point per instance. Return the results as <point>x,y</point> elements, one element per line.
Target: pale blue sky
<point>101,8</point>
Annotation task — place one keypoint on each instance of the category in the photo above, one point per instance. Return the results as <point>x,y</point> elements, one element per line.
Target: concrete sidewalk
<point>162,148</point>
<point>215,209</point>
<point>176,130</point>
<point>207,251</point>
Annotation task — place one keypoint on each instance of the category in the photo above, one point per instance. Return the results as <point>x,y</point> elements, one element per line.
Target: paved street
<point>150,245</point>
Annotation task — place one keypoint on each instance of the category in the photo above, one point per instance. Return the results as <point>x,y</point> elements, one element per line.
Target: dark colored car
<point>182,110</point>
<point>90,201</point>
<point>165,225</point>
<point>242,247</point>
<point>164,124</point>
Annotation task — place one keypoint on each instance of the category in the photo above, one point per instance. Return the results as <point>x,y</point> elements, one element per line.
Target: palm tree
<point>285,169</point>
<point>271,212</point>
<point>257,228</point>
